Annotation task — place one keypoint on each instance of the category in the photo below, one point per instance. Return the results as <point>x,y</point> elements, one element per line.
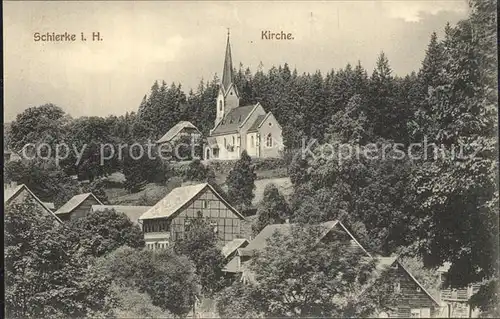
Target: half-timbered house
<point>168,220</point>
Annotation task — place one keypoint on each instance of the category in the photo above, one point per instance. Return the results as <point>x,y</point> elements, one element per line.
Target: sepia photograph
<point>251,159</point>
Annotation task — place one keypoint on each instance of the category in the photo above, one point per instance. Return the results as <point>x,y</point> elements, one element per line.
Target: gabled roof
<point>74,202</point>
<point>233,245</point>
<point>234,120</point>
<point>175,130</point>
<point>132,212</point>
<point>178,198</point>
<point>260,241</point>
<point>258,121</point>
<point>10,194</point>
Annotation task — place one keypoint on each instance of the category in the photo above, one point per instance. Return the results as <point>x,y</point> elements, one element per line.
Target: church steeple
<point>228,97</point>
<point>227,72</point>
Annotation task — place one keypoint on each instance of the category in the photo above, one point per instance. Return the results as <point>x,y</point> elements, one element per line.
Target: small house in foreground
<point>414,300</point>
<point>169,219</point>
<point>77,207</point>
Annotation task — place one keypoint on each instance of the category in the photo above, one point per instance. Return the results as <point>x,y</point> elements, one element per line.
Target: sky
<point>183,42</point>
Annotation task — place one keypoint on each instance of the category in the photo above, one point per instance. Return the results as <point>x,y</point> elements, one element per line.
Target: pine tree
<point>241,182</point>
<point>459,197</point>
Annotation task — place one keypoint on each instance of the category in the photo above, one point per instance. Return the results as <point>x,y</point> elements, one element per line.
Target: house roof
<point>233,120</point>
<point>177,198</point>
<point>175,130</point>
<point>10,194</point>
<point>74,202</point>
<point>258,121</point>
<point>233,245</point>
<point>260,241</point>
<point>132,212</point>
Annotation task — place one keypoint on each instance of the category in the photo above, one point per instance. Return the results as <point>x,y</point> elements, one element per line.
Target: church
<point>238,128</point>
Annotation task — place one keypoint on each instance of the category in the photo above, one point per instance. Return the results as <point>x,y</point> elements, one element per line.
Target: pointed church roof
<point>227,71</point>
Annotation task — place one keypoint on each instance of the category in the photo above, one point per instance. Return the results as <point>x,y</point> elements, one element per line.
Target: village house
<point>182,132</point>
<point>414,300</point>
<point>168,220</point>
<point>77,207</point>
<point>238,128</point>
<point>181,129</point>
<point>18,194</point>
<point>132,212</point>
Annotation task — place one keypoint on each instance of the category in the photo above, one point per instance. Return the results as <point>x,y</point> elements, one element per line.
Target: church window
<point>270,124</point>
<point>252,141</point>
<point>225,143</point>
<point>269,140</point>
<point>233,140</point>
<point>220,106</point>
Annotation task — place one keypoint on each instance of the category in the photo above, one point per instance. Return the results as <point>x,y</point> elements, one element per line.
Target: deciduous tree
<point>241,182</point>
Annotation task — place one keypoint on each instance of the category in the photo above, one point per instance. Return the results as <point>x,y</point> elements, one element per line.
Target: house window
<point>199,214</point>
<point>252,141</point>
<point>269,140</point>
<point>415,313</point>
<point>204,204</point>
<point>397,287</point>
<point>425,312</point>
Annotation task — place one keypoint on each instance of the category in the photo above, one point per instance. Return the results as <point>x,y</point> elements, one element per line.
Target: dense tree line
<point>94,266</point>
<point>434,206</point>
<point>441,204</point>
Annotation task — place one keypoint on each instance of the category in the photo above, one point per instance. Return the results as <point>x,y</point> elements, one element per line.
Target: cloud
<point>414,11</point>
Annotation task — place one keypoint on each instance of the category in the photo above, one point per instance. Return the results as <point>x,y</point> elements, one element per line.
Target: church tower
<point>228,97</point>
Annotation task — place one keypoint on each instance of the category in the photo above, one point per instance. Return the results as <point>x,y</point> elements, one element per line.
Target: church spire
<point>227,72</point>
